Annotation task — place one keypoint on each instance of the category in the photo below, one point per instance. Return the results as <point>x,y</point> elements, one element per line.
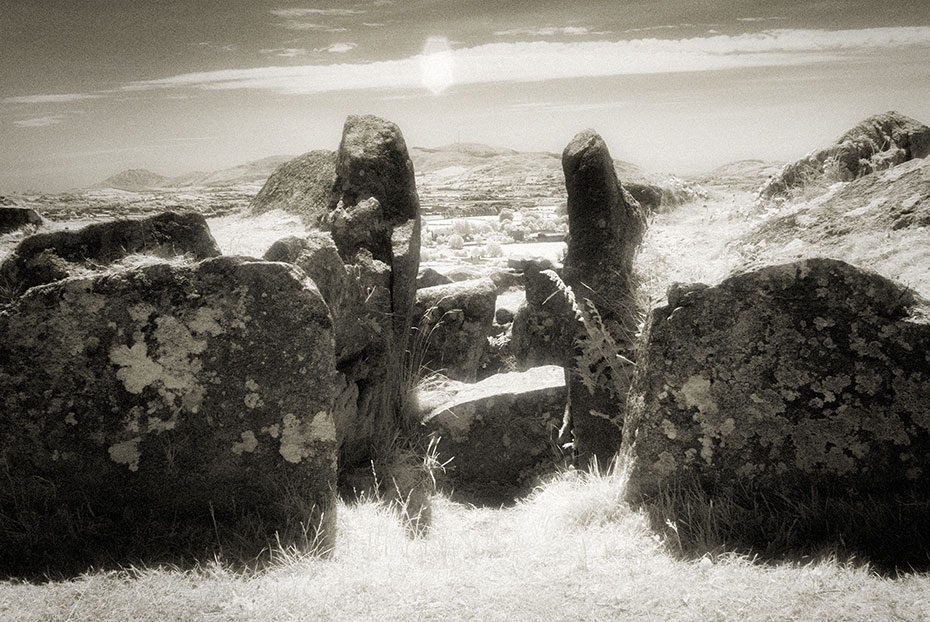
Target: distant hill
<point>139,180</point>
<point>134,179</point>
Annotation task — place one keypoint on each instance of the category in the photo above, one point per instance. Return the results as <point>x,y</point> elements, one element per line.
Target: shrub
<point>456,242</point>
<point>461,227</point>
<point>505,214</point>
<point>493,249</point>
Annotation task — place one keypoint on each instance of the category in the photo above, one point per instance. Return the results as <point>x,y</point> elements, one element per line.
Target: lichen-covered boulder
<point>456,322</point>
<point>808,375</point>
<point>168,407</point>
<point>13,218</point>
<point>877,143</point>
<point>605,228</point>
<point>47,257</point>
<point>500,434</point>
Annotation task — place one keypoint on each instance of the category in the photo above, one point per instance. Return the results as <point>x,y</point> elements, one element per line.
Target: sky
<point>92,87</point>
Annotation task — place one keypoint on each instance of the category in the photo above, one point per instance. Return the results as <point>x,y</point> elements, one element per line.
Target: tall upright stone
<point>366,265</point>
<point>605,228</point>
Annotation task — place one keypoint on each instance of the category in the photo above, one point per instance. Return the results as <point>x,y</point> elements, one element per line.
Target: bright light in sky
<point>436,65</point>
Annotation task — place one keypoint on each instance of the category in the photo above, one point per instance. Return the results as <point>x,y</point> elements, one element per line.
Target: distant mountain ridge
<point>139,179</point>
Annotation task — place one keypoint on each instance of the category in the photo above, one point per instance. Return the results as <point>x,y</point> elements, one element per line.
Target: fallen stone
<point>48,257</point>
<point>499,433</point>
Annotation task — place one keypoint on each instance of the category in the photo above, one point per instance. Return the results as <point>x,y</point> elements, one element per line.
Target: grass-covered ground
<point>573,550</point>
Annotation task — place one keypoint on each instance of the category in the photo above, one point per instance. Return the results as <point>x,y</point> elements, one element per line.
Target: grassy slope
<point>572,551</point>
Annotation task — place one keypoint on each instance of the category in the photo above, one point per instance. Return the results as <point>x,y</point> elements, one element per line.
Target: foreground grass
<point>574,550</point>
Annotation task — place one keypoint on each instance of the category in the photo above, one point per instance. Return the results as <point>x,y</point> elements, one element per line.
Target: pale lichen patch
<point>297,437</point>
<point>126,453</point>
<point>696,392</point>
<point>248,444</point>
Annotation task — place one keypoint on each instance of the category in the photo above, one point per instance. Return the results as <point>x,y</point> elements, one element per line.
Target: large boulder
<point>165,411</point>
<point>13,218</point>
<point>47,257</point>
<point>605,228</point>
<point>302,186</point>
<point>807,375</point>
<point>455,325</point>
<point>877,143</point>
<point>500,434</point>
<point>366,262</point>
<point>428,277</point>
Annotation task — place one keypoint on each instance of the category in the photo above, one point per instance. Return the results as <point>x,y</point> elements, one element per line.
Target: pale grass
<point>245,234</point>
<point>573,550</point>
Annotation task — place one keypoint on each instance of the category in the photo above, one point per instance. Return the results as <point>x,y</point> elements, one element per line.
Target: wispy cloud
<point>310,26</point>
<point>292,13</point>
<point>40,121</point>
<point>337,48</point>
<point>758,19</point>
<point>50,99</point>
<point>285,52</point>
<point>548,60</point>
<point>549,31</point>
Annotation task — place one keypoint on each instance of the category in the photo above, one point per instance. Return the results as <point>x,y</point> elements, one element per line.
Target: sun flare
<point>436,65</point>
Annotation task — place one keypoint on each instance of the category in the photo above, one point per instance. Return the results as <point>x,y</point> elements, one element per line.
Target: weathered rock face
<point>140,401</point>
<point>543,327</point>
<point>430,278</point>
<point>605,227</point>
<point>301,186</point>
<point>500,433</point>
<point>877,143</point>
<point>366,266</point>
<point>13,218</point>
<point>48,257</point>
<point>456,323</point>
<point>809,374</point>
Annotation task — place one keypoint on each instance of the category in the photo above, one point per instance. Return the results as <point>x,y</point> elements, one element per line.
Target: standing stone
<point>165,408</point>
<point>367,265</point>
<point>605,228</point>
<point>543,326</point>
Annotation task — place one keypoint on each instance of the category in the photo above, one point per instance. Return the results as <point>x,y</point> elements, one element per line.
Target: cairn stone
<point>165,408</point>
<point>605,227</point>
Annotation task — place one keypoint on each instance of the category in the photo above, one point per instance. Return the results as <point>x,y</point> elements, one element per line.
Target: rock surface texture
<point>13,218</point>
<point>808,375</point>
<point>875,144</point>
<point>366,266</point>
<point>499,433</point>
<point>47,257</point>
<point>605,228</point>
<point>165,407</point>
<point>302,186</point>
<point>456,322</point>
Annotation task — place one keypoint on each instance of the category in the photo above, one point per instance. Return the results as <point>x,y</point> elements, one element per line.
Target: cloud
<point>546,60</point>
<point>292,13</point>
<point>337,48</point>
<point>285,52</point>
<point>549,31</point>
<point>757,19</point>
<point>50,99</point>
<point>310,26</point>
<point>40,121</point>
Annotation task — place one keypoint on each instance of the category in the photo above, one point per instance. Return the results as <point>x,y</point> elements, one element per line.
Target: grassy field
<point>573,550</point>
